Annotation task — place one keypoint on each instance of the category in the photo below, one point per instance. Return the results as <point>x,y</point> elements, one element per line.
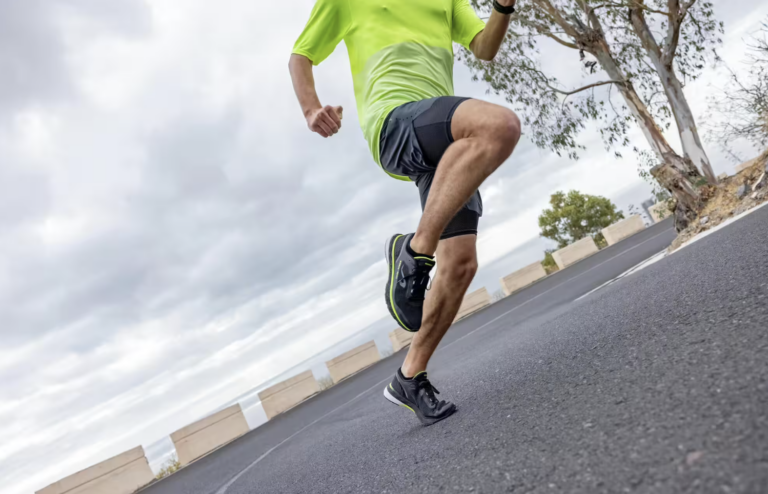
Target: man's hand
<point>325,121</point>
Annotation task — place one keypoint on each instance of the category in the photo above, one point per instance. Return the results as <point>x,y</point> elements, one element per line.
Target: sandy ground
<point>724,202</point>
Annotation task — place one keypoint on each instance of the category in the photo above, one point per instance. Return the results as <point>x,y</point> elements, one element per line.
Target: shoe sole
<point>390,255</point>
<point>426,421</point>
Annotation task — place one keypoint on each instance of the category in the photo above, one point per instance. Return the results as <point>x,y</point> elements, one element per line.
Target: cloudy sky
<point>171,236</point>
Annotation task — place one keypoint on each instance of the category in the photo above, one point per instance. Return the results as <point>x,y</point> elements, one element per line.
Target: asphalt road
<point>656,383</point>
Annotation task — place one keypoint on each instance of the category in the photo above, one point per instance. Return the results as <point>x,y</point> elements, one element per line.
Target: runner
<point>401,55</point>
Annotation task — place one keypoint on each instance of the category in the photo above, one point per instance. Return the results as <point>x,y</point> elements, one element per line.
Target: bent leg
<point>484,137</point>
<point>456,267</point>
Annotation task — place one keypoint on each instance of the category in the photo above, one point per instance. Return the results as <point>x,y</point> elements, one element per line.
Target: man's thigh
<point>432,129</point>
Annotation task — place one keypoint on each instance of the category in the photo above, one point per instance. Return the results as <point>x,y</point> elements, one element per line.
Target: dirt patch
<point>725,203</point>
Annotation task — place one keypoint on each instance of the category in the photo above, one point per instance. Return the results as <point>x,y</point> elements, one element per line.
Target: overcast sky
<point>171,235</point>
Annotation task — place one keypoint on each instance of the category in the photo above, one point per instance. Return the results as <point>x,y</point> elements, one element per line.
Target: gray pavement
<point>656,383</point>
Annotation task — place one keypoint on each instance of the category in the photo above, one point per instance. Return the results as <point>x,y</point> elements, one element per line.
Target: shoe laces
<point>430,391</point>
<point>421,280</point>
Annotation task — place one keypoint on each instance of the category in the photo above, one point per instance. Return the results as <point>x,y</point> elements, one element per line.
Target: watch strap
<point>502,9</point>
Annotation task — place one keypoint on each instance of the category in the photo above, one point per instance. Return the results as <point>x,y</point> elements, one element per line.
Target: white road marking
<point>223,488</point>
<point>651,260</point>
<point>661,255</point>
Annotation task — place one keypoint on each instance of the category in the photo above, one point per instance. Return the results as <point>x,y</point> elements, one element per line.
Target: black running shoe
<point>418,396</point>
<point>407,282</point>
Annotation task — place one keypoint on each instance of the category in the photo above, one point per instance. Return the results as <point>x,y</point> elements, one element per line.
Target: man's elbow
<point>482,52</point>
<point>484,55</point>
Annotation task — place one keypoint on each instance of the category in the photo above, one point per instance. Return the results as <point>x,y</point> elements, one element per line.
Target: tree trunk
<point>676,174</point>
<point>686,125</point>
<point>684,181</point>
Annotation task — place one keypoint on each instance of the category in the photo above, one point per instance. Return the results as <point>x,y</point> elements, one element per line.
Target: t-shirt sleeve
<point>326,27</point>
<point>466,23</point>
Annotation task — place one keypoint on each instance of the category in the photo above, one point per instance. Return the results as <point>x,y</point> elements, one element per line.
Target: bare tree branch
<point>643,32</point>
<point>676,20</point>
<point>568,93</point>
<point>557,18</point>
<point>629,5</point>
<point>561,41</point>
<point>545,31</point>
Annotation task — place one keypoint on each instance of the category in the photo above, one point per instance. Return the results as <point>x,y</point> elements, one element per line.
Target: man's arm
<point>325,120</point>
<point>486,45</point>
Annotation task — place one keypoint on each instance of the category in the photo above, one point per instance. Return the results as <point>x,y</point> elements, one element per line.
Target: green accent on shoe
<point>392,286</point>
<point>402,404</point>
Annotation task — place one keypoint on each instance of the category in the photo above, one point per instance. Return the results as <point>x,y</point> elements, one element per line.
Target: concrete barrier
<point>473,303</point>
<point>287,394</point>
<point>623,229</point>
<point>575,252</point>
<point>522,278</point>
<point>208,434</point>
<point>122,474</point>
<point>660,211</point>
<point>400,338</point>
<point>353,361</point>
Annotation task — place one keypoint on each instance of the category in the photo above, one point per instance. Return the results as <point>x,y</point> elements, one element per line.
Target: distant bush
<point>549,264</point>
<point>170,466</point>
<point>497,295</point>
<point>325,383</point>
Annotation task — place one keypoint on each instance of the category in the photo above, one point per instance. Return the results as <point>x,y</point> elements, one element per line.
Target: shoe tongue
<point>421,376</point>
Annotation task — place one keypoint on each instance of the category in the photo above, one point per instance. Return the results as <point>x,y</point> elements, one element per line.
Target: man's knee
<point>505,127</point>
<point>461,269</point>
<point>488,121</point>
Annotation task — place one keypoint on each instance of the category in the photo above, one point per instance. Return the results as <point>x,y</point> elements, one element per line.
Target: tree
<point>576,215</point>
<point>620,37</point>
<point>740,112</point>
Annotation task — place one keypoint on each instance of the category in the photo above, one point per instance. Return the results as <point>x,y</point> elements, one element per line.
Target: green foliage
<point>549,264</point>
<point>666,212</point>
<point>574,216</point>
<point>170,466</point>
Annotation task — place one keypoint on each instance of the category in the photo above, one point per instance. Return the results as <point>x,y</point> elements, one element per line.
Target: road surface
<point>656,383</point>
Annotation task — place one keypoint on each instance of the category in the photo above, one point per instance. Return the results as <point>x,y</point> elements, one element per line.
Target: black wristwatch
<point>502,9</point>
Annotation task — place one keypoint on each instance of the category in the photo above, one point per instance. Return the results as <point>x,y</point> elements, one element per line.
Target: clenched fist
<point>325,121</point>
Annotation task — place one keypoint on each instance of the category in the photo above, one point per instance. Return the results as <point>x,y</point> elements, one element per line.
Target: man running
<point>401,55</point>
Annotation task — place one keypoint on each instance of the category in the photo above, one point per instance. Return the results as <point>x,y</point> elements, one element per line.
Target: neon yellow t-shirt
<point>399,50</point>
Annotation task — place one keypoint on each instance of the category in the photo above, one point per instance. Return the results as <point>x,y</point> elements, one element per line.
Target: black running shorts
<point>413,140</point>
